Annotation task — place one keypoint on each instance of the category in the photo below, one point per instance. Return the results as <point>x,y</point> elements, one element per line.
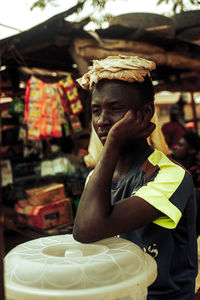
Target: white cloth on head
<point>126,68</point>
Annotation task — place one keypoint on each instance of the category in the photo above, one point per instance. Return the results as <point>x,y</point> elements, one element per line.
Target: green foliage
<point>42,3</point>
<point>179,5</point>
<point>99,4</point>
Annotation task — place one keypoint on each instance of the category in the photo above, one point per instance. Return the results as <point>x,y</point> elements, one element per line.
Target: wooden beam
<point>2,250</point>
<point>194,112</point>
<point>90,49</point>
<point>183,85</point>
<point>43,72</point>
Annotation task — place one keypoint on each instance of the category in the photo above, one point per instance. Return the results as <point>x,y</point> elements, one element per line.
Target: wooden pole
<point>194,112</point>
<point>2,292</point>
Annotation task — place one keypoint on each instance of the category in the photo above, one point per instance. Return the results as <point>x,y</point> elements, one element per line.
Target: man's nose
<point>103,119</point>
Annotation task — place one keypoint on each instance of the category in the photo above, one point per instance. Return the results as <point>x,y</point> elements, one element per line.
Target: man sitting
<point>135,191</point>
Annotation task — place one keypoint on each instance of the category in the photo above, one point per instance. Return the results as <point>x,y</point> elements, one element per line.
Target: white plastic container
<point>61,268</point>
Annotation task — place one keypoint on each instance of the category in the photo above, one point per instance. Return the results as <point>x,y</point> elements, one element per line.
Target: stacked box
<point>46,194</point>
<point>45,216</point>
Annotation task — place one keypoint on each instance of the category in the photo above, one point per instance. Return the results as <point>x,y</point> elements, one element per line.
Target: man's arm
<point>96,218</point>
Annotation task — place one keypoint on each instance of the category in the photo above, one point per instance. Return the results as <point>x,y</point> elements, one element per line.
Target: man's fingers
<point>128,113</point>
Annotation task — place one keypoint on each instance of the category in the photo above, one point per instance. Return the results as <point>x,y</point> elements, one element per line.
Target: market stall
<point>40,137</point>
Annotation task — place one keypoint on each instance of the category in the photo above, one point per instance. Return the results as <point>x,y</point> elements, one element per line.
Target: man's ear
<point>149,109</point>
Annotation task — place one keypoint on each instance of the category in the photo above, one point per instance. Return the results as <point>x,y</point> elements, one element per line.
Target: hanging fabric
<point>73,105</point>
<point>75,123</point>
<point>72,94</point>
<point>49,106</point>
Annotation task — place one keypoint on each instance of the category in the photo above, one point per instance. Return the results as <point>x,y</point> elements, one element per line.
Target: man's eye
<point>95,111</point>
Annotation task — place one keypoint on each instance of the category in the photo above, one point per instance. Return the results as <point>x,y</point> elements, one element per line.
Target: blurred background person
<point>187,153</point>
<point>175,128</point>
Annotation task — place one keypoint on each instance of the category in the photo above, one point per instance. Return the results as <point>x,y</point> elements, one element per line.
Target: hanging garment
<point>44,112</point>
<point>49,106</point>
<point>71,102</point>
<point>68,85</point>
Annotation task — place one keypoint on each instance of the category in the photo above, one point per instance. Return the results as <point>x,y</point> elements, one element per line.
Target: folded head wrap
<point>126,68</point>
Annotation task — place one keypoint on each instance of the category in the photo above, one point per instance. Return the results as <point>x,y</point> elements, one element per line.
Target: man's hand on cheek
<point>145,126</point>
<point>133,126</point>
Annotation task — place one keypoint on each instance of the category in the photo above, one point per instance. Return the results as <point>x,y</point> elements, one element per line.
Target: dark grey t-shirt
<point>171,239</point>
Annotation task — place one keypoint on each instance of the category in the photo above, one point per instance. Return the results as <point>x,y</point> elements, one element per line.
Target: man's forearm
<point>95,202</point>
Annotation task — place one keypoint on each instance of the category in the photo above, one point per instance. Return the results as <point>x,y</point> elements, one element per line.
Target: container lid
<point>58,267</point>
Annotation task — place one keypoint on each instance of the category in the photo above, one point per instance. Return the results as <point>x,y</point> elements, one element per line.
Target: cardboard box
<point>45,216</point>
<point>46,194</point>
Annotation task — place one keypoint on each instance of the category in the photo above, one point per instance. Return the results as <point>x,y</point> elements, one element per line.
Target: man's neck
<point>128,158</point>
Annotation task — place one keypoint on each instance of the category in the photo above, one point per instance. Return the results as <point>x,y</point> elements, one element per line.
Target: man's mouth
<point>103,136</point>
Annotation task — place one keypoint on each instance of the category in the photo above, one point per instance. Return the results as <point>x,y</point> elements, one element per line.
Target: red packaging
<point>45,216</point>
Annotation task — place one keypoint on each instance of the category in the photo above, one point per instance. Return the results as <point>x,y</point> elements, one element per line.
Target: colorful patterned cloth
<point>48,105</point>
<point>68,87</point>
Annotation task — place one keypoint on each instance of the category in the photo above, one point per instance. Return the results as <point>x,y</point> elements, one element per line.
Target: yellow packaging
<point>46,194</point>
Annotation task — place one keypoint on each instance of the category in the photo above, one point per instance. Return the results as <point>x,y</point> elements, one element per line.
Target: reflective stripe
<point>159,191</point>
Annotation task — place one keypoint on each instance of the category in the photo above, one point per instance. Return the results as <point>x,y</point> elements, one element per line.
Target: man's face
<point>110,102</point>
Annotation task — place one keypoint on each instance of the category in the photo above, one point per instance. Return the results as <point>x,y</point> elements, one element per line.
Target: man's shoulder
<point>158,162</point>
<point>160,159</point>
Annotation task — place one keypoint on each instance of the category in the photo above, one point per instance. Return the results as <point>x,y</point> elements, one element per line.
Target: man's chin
<point>103,139</point>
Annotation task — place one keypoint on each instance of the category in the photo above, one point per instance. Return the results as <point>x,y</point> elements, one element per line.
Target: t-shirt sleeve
<point>168,192</point>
